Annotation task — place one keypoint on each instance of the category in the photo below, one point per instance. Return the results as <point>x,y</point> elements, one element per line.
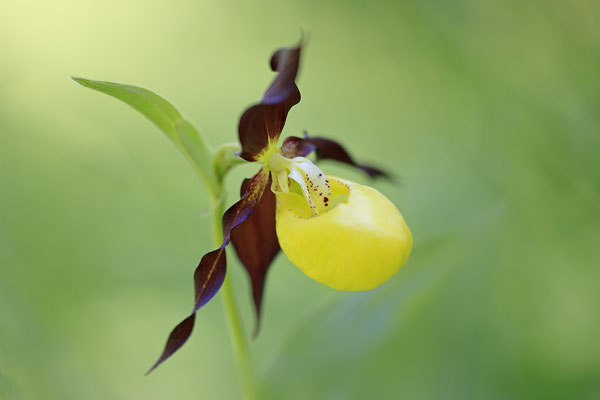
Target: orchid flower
<point>340,233</point>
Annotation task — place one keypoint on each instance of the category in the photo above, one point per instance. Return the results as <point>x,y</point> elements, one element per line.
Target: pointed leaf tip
<point>154,107</point>
<point>167,118</point>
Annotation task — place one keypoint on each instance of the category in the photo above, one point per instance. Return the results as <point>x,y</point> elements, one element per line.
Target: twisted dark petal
<point>326,149</point>
<point>210,273</point>
<point>240,211</point>
<point>255,242</point>
<point>209,276</point>
<point>176,339</point>
<point>262,123</point>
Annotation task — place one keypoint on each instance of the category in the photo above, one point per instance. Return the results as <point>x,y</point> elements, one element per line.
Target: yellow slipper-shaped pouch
<point>358,243</point>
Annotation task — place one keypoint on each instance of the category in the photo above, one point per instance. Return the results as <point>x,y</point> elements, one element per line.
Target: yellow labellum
<point>357,244</point>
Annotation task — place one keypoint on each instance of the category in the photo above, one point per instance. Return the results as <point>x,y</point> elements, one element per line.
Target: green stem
<point>239,342</point>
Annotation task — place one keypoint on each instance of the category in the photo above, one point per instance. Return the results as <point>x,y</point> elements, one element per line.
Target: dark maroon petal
<point>240,211</point>
<point>262,123</point>
<point>210,273</point>
<point>255,242</point>
<point>176,339</point>
<point>209,276</point>
<point>286,63</point>
<point>294,146</point>
<point>326,149</point>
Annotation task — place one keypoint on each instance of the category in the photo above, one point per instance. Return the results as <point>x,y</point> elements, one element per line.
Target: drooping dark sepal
<point>255,242</point>
<point>326,149</point>
<point>262,123</point>
<point>210,273</point>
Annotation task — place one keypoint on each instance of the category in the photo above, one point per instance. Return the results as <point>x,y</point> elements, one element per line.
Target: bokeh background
<point>489,111</point>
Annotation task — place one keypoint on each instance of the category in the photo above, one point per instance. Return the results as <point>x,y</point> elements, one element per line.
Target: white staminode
<point>313,183</point>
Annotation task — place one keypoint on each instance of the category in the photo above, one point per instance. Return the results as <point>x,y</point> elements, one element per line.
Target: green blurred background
<point>488,110</point>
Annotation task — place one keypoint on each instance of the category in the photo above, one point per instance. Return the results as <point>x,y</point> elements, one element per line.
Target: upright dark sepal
<point>210,273</point>
<point>262,123</point>
<point>326,149</point>
<point>255,242</point>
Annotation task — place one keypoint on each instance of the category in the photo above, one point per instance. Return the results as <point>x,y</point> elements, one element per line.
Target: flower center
<point>300,176</point>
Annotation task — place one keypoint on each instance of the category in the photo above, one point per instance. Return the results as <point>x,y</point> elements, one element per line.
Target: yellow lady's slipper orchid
<point>345,235</point>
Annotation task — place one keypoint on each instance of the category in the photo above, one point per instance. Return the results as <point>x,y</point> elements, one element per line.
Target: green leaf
<point>195,149</point>
<point>166,117</point>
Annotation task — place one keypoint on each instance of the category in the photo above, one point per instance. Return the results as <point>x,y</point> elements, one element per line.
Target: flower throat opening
<point>303,186</point>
